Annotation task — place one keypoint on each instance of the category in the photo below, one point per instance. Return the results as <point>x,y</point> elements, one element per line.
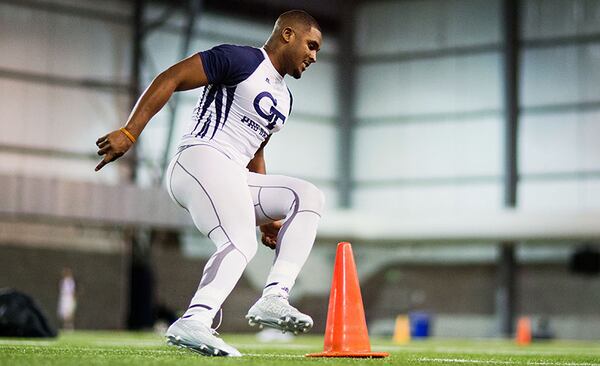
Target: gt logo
<point>274,115</point>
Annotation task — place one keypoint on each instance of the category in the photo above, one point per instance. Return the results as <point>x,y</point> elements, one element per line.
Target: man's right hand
<point>269,233</point>
<point>112,146</point>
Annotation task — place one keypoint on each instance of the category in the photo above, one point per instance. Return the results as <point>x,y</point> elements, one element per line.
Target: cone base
<point>349,354</point>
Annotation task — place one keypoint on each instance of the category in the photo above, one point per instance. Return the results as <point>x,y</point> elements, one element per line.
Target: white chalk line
<point>516,352</point>
<point>17,342</point>
<point>268,355</point>
<point>504,362</point>
<point>493,350</point>
<point>137,343</point>
<point>273,345</point>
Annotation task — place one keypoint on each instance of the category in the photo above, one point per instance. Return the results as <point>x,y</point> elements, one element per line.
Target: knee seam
<point>298,202</point>
<point>312,211</point>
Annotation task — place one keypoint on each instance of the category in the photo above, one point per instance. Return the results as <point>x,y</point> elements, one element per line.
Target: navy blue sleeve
<point>228,64</point>
<point>291,101</point>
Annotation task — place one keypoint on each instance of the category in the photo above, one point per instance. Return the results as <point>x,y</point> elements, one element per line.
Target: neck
<point>273,54</point>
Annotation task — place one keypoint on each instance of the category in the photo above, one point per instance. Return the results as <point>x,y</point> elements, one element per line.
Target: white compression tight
<point>226,203</point>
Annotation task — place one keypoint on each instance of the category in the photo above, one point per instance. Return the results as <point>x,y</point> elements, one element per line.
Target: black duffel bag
<point>21,316</point>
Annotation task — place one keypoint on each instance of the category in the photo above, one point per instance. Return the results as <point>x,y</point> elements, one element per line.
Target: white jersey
<point>246,101</point>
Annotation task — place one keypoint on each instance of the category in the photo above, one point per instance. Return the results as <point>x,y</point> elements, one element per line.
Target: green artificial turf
<point>129,348</point>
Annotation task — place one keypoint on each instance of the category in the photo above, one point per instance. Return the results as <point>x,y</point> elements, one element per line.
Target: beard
<point>297,74</point>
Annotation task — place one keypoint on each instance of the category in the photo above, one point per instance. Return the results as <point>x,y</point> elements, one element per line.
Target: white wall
<point>388,27</point>
<point>559,152</point>
<point>430,120</point>
<point>69,118</point>
<point>551,18</point>
<point>429,127</point>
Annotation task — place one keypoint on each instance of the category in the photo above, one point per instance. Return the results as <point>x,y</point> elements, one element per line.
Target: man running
<point>218,174</point>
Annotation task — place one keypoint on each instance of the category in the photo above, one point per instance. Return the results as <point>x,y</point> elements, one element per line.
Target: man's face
<point>302,51</point>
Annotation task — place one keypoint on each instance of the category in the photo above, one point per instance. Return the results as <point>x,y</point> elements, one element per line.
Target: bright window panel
<point>548,194</point>
<point>61,45</point>
<point>456,84</point>
<point>560,142</point>
<point>428,149</point>
<point>556,18</point>
<point>421,199</point>
<point>560,75</point>
<point>404,26</point>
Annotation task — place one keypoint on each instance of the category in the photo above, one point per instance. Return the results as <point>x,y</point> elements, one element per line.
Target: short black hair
<point>297,17</point>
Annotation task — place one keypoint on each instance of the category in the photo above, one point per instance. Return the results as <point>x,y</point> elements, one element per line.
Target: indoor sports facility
<point>455,142</point>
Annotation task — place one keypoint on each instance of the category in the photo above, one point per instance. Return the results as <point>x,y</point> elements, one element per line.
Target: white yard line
<point>504,362</point>
<point>492,350</point>
<point>275,345</point>
<point>25,343</point>
<point>129,342</point>
<point>525,352</point>
<point>271,356</point>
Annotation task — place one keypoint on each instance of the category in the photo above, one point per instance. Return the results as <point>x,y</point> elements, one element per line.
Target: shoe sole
<point>203,349</point>
<point>285,324</point>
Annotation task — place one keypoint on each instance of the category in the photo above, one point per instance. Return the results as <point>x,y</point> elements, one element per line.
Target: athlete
<point>218,174</point>
<point>67,299</point>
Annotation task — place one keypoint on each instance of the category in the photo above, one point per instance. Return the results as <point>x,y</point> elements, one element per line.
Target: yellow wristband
<point>128,134</point>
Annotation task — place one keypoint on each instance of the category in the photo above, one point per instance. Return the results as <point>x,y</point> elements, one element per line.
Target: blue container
<point>419,324</point>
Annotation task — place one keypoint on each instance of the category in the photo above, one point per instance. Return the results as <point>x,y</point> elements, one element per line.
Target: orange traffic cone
<point>523,336</point>
<point>346,332</point>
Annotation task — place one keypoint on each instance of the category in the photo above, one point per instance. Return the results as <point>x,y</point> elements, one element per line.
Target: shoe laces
<point>281,306</point>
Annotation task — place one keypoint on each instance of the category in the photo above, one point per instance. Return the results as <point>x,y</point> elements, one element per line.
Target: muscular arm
<point>186,74</point>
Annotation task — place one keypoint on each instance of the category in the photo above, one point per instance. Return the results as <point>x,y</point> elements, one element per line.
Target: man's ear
<point>287,34</point>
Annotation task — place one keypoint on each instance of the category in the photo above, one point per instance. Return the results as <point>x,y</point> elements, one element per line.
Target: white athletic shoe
<point>197,337</point>
<point>276,312</point>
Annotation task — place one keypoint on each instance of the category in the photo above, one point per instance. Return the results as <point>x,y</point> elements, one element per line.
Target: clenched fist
<point>269,233</point>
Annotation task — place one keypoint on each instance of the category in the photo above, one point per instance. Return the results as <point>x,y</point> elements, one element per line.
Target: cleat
<point>197,337</point>
<point>276,312</point>
<point>260,326</point>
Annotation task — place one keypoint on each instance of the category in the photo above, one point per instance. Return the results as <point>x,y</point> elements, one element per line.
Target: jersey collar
<point>276,73</point>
